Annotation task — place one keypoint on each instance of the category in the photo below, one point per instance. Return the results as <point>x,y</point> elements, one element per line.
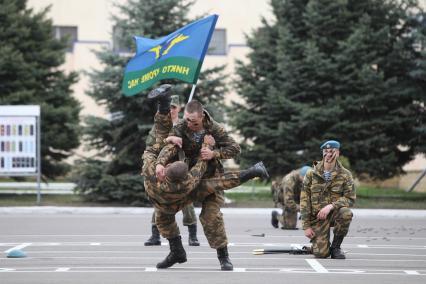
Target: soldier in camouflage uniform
<point>188,135</point>
<point>288,196</point>
<point>189,217</point>
<point>328,192</point>
<point>172,189</point>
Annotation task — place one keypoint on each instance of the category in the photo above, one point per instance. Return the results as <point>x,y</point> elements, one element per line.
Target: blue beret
<point>330,144</point>
<point>304,170</point>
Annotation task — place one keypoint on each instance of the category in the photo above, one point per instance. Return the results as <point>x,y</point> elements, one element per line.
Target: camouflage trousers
<point>339,219</point>
<point>288,218</point>
<point>189,217</point>
<point>210,193</point>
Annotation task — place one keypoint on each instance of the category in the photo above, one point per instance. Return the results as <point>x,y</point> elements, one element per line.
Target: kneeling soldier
<point>328,192</point>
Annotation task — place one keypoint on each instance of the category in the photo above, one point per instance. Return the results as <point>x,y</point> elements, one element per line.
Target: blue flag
<point>176,56</point>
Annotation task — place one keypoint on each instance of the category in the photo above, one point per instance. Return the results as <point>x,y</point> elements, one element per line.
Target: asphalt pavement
<point>105,245</point>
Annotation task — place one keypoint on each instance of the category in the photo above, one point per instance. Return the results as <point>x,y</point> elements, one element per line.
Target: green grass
<point>46,200</point>
<point>257,196</point>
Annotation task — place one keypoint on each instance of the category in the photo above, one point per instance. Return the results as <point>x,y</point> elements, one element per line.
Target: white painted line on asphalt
<point>231,244</point>
<point>239,269</point>
<point>411,272</point>
<point>62,269</point>
<point>150,269</point>
<point>316,266</point>
<point>21,246</point>
<point>362,246</point>
<point>164,243</point>
<point>95,244</point>
<point>388,254</point>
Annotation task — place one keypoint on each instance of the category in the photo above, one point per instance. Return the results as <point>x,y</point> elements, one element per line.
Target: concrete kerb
<point>358,213</point>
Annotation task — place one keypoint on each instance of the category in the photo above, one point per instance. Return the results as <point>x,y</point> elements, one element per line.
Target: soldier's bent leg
<point>321,241</point>
<point>342,221</point>
<point>212,220</point>
<point>190,220</point>
<point>289,219</point>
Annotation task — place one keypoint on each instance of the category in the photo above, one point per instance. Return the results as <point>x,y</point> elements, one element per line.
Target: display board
<point>18,145</point>
<point>19,140</point>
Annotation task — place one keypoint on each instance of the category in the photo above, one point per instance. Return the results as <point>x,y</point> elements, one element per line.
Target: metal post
<point>417,181</point>
<point>192,93</point>
<point>38,160</point>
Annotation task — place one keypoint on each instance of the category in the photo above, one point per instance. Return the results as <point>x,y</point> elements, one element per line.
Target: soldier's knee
<point>345,214</point>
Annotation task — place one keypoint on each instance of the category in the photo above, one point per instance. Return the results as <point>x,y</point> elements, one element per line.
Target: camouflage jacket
<point>317,193</point>
<point>225,148</point>
<point>291,186</point>
<point>171,197</point>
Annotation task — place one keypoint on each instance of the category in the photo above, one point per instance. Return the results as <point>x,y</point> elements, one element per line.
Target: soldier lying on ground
<point>181,186</point>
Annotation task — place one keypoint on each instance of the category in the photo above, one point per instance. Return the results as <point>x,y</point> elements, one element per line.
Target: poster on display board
<point>18,145</point>
<point>19,140</point>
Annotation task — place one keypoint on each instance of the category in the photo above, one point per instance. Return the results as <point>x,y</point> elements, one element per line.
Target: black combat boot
<point>163,95</point>
<point>154,240</point>
<point>192,239</point>
<point>223,256</point>
<point>177,253</point>
<point>335,250</point>
<point>274,219</point>
<point>258,170</point>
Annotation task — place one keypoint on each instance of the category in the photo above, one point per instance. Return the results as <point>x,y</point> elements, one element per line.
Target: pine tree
<point>345,70</point>
<point>123,139</point>
<point>29,75</point>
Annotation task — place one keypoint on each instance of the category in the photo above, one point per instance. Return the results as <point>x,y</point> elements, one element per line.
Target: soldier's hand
<point>322,215</point>
<point>175,140</point>
<point>208,139</point>
<point>309,233</point>
<point>206,154</point>
<point>160,172</point>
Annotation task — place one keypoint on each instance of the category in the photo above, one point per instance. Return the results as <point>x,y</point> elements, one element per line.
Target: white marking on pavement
<point>388,254</point>
<point>316,266</point>
<point>6,269</point>
<point>21,246</point>
<point>362,246</point>
<point>411,272</point>
<point>231,244</point>
<point>95,244</point>
<point>239,269</point>
<point>150,269</point>
<point>62,269</point>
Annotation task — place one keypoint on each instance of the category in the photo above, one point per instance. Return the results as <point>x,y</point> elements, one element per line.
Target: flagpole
<point>192,93</point>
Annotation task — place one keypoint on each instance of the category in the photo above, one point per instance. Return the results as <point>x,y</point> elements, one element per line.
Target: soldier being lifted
<point>172,187</point>
<point>189,217</point>
<point>287,194</point>
<point>328,192</point>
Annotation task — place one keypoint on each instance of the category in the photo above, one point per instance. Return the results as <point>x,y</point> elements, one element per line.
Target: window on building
<point>68,32</point>
<point>117,41</point>
<point>218,45</point>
